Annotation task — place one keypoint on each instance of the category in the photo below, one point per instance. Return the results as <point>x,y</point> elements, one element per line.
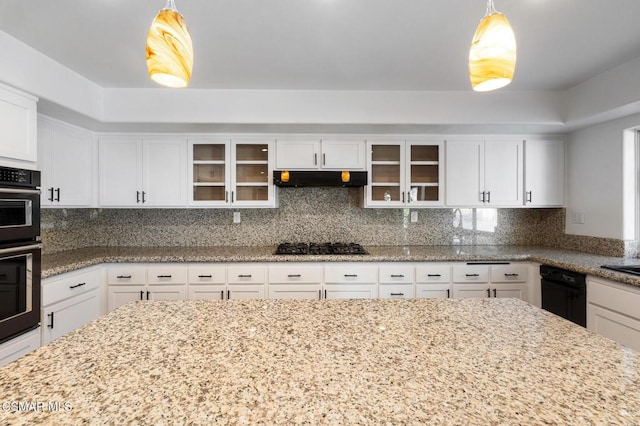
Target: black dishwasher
<point>564,293</point>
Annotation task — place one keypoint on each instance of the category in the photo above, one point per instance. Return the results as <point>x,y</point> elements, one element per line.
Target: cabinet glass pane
<point>424,152</point>
<point>252,193</point>
<point>252,152</point>
<point>382,174</point>
<point>208,193</point>
<point>424,193</point>
<point>385,193</point>
<point>252,173</point>
<point>385,153</point>
<point>208,152</point>
<point>424,174</point>
<point>208,173</point>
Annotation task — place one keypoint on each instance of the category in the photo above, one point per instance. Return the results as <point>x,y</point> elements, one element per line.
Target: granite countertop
<point>58,263</point>
<point>427,361</point>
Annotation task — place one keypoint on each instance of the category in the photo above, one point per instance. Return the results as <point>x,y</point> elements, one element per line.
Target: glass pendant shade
<point>492,57</point>
<point>169,48</point>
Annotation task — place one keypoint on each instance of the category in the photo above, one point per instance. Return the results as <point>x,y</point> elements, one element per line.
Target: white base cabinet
<point>19,346</point>
<point>127,283</point>
<point>491,281</point>
<point>613,311</point>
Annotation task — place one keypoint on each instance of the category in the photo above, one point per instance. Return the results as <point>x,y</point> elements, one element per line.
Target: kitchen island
<point>466,361</point>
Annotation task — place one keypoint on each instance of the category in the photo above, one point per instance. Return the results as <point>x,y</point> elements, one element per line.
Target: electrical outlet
<point>577,217</point>
<point>414,217</point>
<point>236,217</point>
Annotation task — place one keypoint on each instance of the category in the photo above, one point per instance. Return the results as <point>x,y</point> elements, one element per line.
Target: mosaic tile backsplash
<point>314,214</point>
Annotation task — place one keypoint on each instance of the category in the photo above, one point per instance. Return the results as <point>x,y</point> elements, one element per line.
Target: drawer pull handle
<point>397,294</point>
<point>351,275</point>
<point>164,276</point>
<point>448,294</point>
<point>488,292</point>
<point>77,285</point>
<point>434,275</point>
<point>244,276</point>
<point>495,292</point>
<point>397,276</point>
<point>50,325</point>
<point>472,275</point>
<point>294,275</point>
<point>122,277</point>
<point>510,275</point>
<point>205,276</point>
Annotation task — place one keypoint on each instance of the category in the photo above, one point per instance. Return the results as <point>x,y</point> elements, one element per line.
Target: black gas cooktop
<point>627,269</point>
<point>320,248</point>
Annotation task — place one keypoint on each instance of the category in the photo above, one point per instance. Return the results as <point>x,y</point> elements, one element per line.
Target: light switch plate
<point>236,217</point>
<point>414,217</point>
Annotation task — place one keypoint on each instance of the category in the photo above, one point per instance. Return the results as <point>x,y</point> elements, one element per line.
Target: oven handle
<point>21,248</point>
<point>19,191</point>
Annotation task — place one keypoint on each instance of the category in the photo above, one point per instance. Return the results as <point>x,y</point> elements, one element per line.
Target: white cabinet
<point>314,154</point>
<point>231,173</point>
<point>70,301</point>
<point>66,159</point>
<point>295,281</point>
<point>544,172</point>
<point>613,311</point>
<point>396,281</point>
<point>15,348</point>
<point>142,172</point>
<point>18,128</point>
<point>433,280</point>
<point>405,174</point>
<point>207,282</point>
<point>484,173</point>
<point>491,281</point>
<point>246,281</point>
<point>351,281</point>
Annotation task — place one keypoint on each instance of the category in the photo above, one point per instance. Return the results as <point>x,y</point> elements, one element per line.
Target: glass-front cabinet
<point>232,172</point>
<point>405,174</point>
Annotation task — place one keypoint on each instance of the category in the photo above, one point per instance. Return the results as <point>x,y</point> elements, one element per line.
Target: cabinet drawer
<point>295,274</point>
<point>614,297</point>
<point>246,274</point>
<point>350,273</point>
<point>207,274</point>
<point>68,285</point>
<point>157,275</point>
<point>509,273</point>
<point>471,274</point>
<point>396,273</point>
<point>433,274</point>
<point>126,275</point>
<point>396,291</point>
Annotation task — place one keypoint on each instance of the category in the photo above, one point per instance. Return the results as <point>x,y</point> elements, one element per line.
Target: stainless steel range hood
<point>319,178</point>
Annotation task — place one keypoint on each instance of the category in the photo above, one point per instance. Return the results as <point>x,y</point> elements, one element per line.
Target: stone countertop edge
<point>72,260</point>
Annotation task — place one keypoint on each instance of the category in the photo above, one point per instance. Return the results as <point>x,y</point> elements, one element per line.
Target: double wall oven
<point>20,251</point>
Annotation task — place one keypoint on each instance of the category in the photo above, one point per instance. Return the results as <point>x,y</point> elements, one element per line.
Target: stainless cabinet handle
<point>77,285</point>
<point>232,196</point>
<point>226,196</point>
<point>244,276</point>
<point>50,325</point>
<point>58,194</point>
<point>397,294</point>
<point>397,276</point>
<point>294,275</point>
<point>472,275</point>
<point>488,196</point>
<point>122,277</point>
<point>403,196</point>
<point>164,276</point>
<point>529,197</point>
<point>482,195</point>
<point>351,275</point>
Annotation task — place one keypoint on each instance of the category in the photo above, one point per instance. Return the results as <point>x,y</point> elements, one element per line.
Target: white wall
<point>596,186</point>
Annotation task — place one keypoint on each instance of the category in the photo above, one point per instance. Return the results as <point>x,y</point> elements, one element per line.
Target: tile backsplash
<point>313,214</point>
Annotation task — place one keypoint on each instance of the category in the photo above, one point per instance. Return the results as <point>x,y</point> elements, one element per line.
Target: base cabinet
<point>63,317</point>
<point>350,291</point>
<point>433,291</point>
<point>19,346</point>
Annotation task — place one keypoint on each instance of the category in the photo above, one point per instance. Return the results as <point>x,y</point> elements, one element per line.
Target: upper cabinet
<point>66,158</point>
<point>18,128</point>
<point>315,154</point>
<point>544,172</point>
<point>142,172</point>
<point>484,173</point>
<point>232,173</point>
<point>405,174</point>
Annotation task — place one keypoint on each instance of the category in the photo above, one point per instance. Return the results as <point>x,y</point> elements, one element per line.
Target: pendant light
<point>169,48</point>
<point>492,57</point>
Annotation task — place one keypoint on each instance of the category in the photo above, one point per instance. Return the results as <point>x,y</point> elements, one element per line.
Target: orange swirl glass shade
<point>492,57</point>
<point>169,50</point>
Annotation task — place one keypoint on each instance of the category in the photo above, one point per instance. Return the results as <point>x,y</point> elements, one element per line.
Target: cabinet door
<point>19,346</point>
<point>209,160</point>
<point>343,154</point>
<point>477,291</point>
<point>123,294</point>
<point>513,290</point>
<point>386,174</point>
<point>297,154</point>
<point>503,173</point>
<point>289,291</point>
<point>544,172</point>
<point>350,291</point>
<point>18,126</point>
<point>167,292</point>
<point>164,172</point>
<point>207,292</point>
<point>621,328</point>
<point>252,173</point>
<point>66,316</point>
<point>464,172</point>
<point>425,173</point>
<point>433,291</point>
<point>240,292</point>
<point>120,172</point>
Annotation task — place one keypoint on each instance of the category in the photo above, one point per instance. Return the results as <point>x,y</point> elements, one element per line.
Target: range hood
<point>319,178</point>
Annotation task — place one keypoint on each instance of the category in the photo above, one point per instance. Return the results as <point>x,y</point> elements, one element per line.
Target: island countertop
<point>66,261</point>
<point>427,361</point>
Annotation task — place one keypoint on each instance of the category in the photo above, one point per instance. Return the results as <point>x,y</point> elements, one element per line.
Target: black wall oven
<point>20,251</point>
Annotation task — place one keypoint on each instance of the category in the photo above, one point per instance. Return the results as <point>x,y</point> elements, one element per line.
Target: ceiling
<point>330,44</point>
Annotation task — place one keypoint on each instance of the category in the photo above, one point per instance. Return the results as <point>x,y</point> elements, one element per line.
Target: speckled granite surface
<point>61,262</point>
<point>429,361</point>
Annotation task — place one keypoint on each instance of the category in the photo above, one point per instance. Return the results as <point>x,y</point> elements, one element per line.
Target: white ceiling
<point>331,44</point>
